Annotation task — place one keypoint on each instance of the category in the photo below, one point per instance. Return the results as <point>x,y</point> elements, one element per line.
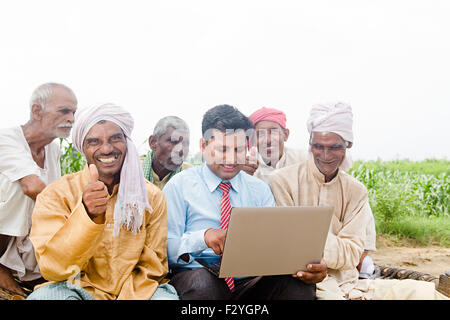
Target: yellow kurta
<point>161,183</point>
<point>65,239</point>
<point>304,185</point>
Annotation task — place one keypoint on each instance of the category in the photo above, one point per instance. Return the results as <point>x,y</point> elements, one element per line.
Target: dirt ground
<point>433,259</point>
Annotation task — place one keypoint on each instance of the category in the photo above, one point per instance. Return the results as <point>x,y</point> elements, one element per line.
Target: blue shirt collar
<point>213,181</point>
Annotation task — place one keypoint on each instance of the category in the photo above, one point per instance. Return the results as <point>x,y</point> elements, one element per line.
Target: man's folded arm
<point>343,251</point>
<point>32,185</point>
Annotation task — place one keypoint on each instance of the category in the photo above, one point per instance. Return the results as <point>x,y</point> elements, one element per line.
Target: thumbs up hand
<point>94,173</point>
<point>95,196</point>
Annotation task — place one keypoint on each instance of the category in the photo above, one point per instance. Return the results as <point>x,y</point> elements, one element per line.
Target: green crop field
<point>409,199</point>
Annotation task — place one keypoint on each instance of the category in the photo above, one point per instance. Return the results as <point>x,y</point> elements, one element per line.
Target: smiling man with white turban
<point>338,118</point>
<point>105,226</point>
<point>320,181</point>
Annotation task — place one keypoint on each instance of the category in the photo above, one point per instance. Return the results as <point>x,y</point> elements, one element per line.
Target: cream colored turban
<point>333,117</point>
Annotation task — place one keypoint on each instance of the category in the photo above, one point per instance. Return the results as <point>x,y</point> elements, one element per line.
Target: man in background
<point>271,134</point>
<point>169,146</point>
<point>29,160</point>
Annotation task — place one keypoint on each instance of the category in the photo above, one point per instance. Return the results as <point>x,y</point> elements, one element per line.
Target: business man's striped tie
<point>225,211</point>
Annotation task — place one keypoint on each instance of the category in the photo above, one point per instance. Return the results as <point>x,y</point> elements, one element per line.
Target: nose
<point>178,148</point>
<point>106,148</point>
<point>71,117</point>
<point>230,157</point>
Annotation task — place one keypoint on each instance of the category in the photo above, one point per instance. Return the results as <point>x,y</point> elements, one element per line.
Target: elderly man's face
<point>328,150</point>
<point>225,153</point>
<point>58,115</point>
<point>170,149</point>
<point>270,138</point>
<point>105,146</point>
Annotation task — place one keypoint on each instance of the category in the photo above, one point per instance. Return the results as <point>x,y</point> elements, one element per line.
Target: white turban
<point>132,197</point>
<point>333,117</point>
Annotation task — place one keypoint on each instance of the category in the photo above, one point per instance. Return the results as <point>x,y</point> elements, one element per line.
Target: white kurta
<point>16,208</point>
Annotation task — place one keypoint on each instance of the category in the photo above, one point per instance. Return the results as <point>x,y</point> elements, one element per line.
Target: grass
<point>423,231</point>
<point>429,166</point>
<point>409,199</point>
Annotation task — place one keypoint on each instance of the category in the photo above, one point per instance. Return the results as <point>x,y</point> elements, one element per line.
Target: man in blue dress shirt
<point>195,210</point>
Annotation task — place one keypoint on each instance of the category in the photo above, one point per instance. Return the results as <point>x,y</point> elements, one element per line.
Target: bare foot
<point>7,281</point>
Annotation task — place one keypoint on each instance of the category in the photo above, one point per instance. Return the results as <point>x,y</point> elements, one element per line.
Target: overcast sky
<point>390,60</point>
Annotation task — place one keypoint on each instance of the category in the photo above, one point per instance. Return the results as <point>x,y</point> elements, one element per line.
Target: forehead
<point>176,133</point>
<point>103,129</point>
<point>326,138</point>
<point>267,125</point>
<point>229,138</point>
<point>61,97</point>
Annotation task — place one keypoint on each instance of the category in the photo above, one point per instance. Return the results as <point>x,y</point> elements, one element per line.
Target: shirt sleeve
<point>371,233</point>
<point>344,249</point>
<point>179,241</point>
<point>16,162</point>
<point>62,238</point>
<point>152,267</point>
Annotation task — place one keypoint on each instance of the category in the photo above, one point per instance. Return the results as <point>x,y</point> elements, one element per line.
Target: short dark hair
<point>224,117</point>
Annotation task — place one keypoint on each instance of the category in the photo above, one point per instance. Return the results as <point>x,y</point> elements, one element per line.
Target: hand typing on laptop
<point>215,239</point>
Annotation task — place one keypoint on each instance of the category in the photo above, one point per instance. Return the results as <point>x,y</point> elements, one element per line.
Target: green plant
<point>409,199</point>
<point>71,160</point>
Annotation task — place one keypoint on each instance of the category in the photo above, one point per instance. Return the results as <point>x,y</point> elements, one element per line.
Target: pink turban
<point>268,114</point>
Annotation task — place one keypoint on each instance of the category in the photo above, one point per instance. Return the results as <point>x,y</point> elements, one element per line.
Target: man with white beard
<point>29,160</point>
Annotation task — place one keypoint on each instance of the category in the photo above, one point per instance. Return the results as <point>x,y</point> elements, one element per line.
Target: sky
<point>390,60</point>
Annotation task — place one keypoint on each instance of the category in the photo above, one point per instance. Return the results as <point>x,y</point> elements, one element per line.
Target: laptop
<point>264,241</point>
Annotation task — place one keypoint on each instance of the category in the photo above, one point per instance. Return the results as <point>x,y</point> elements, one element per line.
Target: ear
<point>36,111</point>
<point>286,134</point>
<point>207,153</point>
<point>203,144</point>
<point>153,142</point>
<point>350,144</point>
